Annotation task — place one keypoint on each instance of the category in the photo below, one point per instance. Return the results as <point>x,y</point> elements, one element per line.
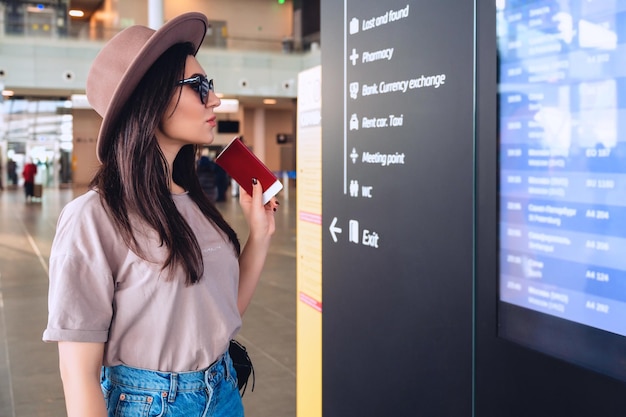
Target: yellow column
<point>309,245</point>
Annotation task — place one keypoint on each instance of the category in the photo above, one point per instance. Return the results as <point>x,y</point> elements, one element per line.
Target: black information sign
<point>397,126</point>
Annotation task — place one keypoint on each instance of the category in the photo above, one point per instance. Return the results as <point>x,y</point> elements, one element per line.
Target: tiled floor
<point>29,378</point>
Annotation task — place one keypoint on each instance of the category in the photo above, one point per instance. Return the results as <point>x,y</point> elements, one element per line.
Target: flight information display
<point>562,156</point>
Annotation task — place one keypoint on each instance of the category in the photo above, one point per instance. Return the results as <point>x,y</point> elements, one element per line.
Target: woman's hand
<point>260,218</point>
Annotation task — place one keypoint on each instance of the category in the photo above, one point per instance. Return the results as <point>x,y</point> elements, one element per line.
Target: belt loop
<point>226,361</point>
<point>207,383</point>
<point>173,387</point>
<point>207,376</point>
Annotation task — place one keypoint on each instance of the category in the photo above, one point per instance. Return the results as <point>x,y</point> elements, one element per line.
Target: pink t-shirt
<point>100,291</point>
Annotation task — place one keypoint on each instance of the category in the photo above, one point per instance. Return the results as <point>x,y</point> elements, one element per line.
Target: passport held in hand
<point>242,165</point>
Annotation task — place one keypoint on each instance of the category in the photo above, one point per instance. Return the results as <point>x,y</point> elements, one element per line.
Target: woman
<point>28,173</point>
<point>206,175</point>
<point>147,282</point>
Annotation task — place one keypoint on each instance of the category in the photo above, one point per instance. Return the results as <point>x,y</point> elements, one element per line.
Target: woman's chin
<point>208,139</point>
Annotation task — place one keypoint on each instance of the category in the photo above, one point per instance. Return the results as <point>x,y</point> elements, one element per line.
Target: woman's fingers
<point>272,204</point>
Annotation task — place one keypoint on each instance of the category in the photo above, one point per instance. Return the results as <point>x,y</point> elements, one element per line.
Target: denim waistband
<point>170,382</point>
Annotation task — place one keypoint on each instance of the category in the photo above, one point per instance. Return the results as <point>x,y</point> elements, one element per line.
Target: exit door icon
<point>353,231</point>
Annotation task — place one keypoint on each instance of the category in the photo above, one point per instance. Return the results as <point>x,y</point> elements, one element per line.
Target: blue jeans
<point>132,392</point>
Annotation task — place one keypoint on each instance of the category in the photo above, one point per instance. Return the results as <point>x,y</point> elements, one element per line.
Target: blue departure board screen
<point>562,159</point>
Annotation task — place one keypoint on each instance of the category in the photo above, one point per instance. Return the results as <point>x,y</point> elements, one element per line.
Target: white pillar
<point>258,145</point>
<point>2,13</point>
<point>155,13</point>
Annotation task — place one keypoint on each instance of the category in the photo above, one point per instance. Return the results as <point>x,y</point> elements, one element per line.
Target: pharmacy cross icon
<point>354,56</point>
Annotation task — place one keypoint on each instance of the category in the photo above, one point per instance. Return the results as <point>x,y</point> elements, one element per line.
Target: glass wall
<point>267,26</point>
<point>47,18</point>
<point>37,130</point>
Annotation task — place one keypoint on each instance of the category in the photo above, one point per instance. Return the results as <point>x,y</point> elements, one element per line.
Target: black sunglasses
<point>201,85</point>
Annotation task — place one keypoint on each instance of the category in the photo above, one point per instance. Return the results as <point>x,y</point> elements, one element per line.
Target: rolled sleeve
<point>80,302</point>
<point>81,287</point>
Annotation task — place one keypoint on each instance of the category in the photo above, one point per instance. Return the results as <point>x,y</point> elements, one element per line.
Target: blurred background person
<point>206,174</point>
<point>12,172</point>
<point>29,172</point>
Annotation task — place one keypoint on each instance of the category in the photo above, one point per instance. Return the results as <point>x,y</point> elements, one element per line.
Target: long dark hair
<point>133,178</point>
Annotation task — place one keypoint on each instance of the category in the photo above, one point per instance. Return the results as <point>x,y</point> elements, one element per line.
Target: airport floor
<point>30,384</point>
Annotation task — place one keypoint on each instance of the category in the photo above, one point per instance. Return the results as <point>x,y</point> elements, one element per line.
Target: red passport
<point>242,165</point>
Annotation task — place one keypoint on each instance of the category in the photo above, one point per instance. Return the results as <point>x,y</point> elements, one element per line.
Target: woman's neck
<point>176,189</point>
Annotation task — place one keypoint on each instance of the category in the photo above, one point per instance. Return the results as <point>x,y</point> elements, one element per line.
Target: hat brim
<point>188,27</point>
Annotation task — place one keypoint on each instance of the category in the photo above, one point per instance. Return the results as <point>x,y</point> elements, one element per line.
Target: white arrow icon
<point>333,229</point>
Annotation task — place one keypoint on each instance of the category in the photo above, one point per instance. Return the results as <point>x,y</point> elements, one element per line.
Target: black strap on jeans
<point>242,364</point>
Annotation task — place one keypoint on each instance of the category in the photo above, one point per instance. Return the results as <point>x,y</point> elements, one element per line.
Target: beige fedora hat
<point>123,61</point>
